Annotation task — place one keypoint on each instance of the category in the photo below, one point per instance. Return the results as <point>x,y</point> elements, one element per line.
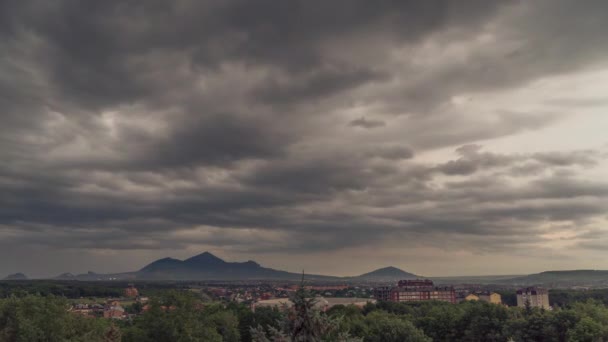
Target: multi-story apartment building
<point>383,293</point>
<point>536,297</point>
<point>415,291</point>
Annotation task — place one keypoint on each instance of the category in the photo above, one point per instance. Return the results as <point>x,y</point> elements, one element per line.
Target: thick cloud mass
<point>422,134</point>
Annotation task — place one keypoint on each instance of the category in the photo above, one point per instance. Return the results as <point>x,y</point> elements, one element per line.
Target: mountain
<point>65,276</point>
<point>163,265</point>
<point>387,274</point>
<point>207,266</point>
<point>16,276</point>
<point>205,259</point>
<point>562,278</point>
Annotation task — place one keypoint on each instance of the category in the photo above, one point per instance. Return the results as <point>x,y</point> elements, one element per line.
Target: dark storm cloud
<point>217,139</point>
<point>538,38</point>
<point>321,83</point>
<point>394,152</point>
<point>105,53</point>
<point>125,124</point>
<point>473,160</point>
<point>367,123</point>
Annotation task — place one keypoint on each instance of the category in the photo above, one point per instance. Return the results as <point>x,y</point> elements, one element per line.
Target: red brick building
<point>114,312</point>
<point>131,291</point>
<point>416,291</point>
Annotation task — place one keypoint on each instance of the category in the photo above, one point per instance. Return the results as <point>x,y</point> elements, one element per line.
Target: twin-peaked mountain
<point>207,266</point>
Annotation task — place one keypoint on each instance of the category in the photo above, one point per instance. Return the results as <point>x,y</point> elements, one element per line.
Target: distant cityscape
<point>327,296</point>
<point>387,293</point>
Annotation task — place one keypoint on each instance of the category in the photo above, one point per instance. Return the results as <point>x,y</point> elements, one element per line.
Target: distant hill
<point>386,274</point>
<point>484,279</point>
<point>163,265</point>
<point>65,276</point>
<point>16,276</point>
<point>91,276</point>
<point>207,266</point>
<point>573,277</point>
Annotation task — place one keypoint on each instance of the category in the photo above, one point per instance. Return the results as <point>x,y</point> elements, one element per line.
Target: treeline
<point>78,289</point>
<point>565,298</point>
<point>35,318</point>
<point>182,316</point>
<point>68,289</point>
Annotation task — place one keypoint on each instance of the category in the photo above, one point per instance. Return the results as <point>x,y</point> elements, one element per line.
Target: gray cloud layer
<point>266,127</point>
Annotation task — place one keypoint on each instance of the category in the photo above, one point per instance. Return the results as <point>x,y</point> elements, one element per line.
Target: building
<point>321,303</point>
<point>131,291</point>
<point>535,297</point>
<point>148,307</point>
<point>87,310</point>
<point>478,295</point>
<point>142,300</point>
<point>82,309</point>
<point>383,293</point>
<point>490,297</point>
<point>114,311</point>
<point>416,291</point>
<point>471,296</point>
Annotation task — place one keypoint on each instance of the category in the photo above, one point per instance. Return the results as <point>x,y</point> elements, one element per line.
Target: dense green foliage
<point>60,288</point>
<point>303,323</point>
<point>34,318</point>
<point>183,316</point>
<point>564,298</point>
<point>81,289</point>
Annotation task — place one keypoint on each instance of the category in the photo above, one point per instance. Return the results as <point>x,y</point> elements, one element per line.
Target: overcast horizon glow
<point>441,137</point>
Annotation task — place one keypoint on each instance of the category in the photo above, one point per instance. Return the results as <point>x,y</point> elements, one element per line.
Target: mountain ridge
<point>573,277</point>
<point>207,266</point>
<point>388,273</point>
<point>16,276</point>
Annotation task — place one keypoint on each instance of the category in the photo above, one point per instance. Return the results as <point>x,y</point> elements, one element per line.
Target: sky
<point>441,137</point>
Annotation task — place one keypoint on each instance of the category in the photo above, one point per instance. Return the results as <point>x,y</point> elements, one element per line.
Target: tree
<point>562,322</point>
<point>268,318</point>
<point>528,306</point>
<point>175,316</point>
<point>35,318</point>
<point>441,322</point>
<point>587,330</point>
<point>112,334</point>
<point>227,325</point>
<point>535,327</point>
<point>304,323</point>
<point>483,322</point>
<point>385,327</point>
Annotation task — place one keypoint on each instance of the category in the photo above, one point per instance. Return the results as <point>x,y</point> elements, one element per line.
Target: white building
<point>536,297</point>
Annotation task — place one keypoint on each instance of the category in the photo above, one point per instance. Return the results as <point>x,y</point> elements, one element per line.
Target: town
<point>416,309</point>
<point>132,303</point>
